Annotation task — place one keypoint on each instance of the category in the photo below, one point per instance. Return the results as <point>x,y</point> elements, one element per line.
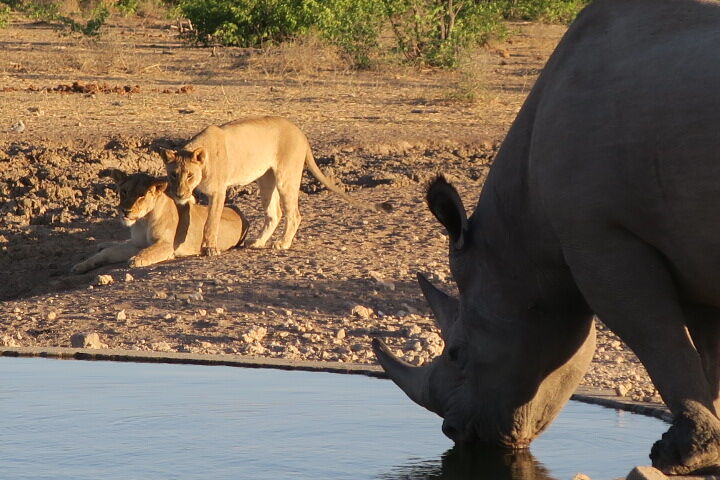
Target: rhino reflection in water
<point>604,199</point>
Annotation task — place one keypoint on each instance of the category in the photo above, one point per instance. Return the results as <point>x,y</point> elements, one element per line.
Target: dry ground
<point>87,105</point>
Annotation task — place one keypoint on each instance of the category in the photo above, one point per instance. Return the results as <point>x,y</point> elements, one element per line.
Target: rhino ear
<point>443,306</point>
<point>445,203</point>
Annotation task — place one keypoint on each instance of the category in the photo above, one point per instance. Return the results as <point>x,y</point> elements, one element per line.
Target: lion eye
<point>189,176</point>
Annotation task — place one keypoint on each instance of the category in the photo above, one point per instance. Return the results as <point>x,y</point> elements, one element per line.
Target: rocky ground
<point>70,109</point>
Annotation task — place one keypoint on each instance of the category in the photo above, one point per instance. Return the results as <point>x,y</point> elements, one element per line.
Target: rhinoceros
<point>603,200</point>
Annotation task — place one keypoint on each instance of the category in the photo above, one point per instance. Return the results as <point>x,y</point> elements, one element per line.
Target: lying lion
<point>159,229</point>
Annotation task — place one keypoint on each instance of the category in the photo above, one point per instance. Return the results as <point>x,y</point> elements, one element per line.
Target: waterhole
<point>105,420</point>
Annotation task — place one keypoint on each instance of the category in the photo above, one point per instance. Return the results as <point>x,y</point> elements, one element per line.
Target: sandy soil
<point>350,276</point>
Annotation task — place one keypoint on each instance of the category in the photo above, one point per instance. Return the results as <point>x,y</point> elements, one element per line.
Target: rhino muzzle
<point>472,415</point>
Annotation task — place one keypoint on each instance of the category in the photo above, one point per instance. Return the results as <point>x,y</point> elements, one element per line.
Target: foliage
<point>434,32</point>
<point>352,25</point>
<point>50,12</point>
<point>4,15</point>
<point>552,11</point>
<point>127,7</point>
<point>90,28</point>
<point>246,23</point>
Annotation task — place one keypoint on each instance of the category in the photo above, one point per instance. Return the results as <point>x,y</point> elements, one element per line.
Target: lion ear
<point>168,156</point>
<point>160,186</point>
<point>200,155</point>
<point>117,175</point>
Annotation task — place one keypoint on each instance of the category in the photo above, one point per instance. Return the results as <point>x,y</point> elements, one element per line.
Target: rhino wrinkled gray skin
<point>604,199</point>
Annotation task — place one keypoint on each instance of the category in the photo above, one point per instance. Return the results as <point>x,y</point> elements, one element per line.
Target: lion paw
<point>691,445</point>
<point>137,262</point>
<point>280,245</point>
<point>255,244</point>
<point>210,251</point>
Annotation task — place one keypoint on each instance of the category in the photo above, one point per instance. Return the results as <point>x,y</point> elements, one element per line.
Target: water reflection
<point>466,463</point>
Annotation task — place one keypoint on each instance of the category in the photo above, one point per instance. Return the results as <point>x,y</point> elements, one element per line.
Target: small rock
<point>219,310</point>
<point>51,316</point>
<point>621,390</point>
<point>121,315</point>
<point>202,312</point>
<point>129,278</point>
<point>410,330</point>
<point>8,341</point>
<point>362,312</point>
<point>103,280</point>
<point>340,334</point>
<point>161,346</point>
<point>18,127</point>
<point>255,349</point>
<point>86,340</point>
<point>254,334</point>
<point>646,473</point>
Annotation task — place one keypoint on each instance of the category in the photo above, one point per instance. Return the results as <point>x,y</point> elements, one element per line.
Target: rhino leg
<point>704,326</point>
<point>628,285</point>
<point>691,446</point>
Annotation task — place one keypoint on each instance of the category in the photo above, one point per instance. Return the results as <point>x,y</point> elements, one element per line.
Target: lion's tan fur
<point>268,150</point>
<point>159,229</point>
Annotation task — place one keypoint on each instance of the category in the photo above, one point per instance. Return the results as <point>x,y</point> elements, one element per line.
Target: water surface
<point>105,420</point>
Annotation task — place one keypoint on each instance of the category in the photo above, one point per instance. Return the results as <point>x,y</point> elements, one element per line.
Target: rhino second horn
<point>443,306</point>
<point>414,381</point>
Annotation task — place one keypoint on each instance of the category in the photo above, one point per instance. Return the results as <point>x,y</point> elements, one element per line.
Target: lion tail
<point>330,185</point>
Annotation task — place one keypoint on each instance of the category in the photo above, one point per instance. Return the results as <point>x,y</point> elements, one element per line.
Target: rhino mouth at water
<point>602,200</point>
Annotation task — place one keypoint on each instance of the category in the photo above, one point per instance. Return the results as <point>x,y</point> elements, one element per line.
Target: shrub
<point>434,32</point>
<point>245,23</point>
<point>127,7</point>
<point>352,25</point>
<point>4,15</point>
<point>50,12</point>
<point>552,11</point>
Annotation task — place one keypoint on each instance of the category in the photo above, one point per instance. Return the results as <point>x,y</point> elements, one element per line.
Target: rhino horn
<point>414,381</point>
<point>443,306</point>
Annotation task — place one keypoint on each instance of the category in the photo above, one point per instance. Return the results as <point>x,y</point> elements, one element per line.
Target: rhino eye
<point>458,356</point>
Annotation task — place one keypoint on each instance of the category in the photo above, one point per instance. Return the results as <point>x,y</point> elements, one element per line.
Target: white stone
<point>86,340</point>
<point>362,312</point>
<point>646,473</point>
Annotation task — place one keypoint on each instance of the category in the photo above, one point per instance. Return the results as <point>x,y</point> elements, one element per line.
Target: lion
<point>271,151</point>
<point>159,229</point>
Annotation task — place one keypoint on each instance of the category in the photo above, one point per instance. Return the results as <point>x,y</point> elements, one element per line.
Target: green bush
<point>4,15</point>
<point>91,27</point>
<point>50,12</point>
<point>552,11</point>
<point>127,7</point>
<point>245,23</point>
<point>352,25</point>
<point>429,32</point>
<point>434,32</point>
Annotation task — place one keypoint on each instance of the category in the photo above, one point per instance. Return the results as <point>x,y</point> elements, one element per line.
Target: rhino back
<point>626,132</point>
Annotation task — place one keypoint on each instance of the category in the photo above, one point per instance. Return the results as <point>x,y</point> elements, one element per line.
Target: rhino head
<point>511,359</point>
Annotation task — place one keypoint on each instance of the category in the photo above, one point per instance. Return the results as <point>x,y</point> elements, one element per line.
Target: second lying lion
<point>159,229</point>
